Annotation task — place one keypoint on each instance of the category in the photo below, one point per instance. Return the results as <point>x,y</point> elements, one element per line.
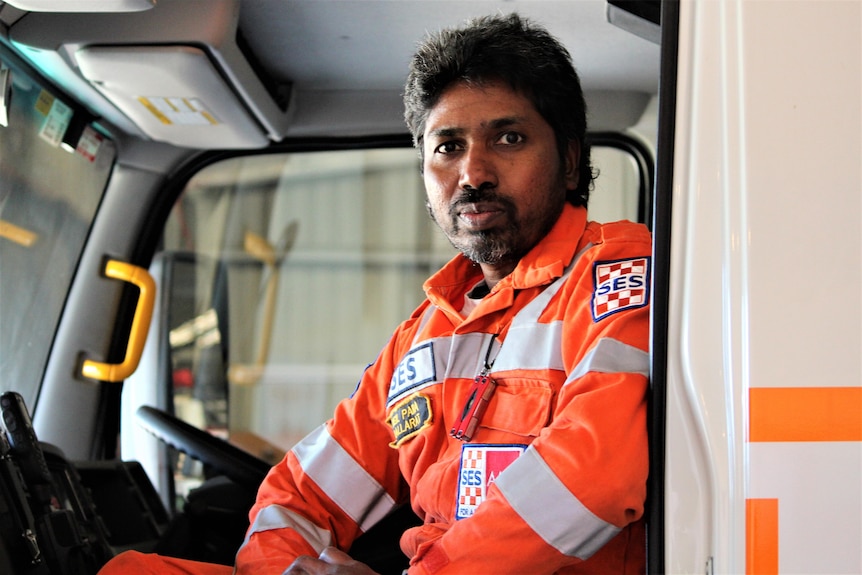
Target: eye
<point>447,148</point>
<point>511,138</point>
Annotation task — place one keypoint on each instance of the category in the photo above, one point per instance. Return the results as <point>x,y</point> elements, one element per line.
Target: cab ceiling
<point>366,44</point>
<point>334,47</point>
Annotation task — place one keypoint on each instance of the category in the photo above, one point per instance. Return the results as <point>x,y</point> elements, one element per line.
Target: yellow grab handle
<point>140,323</point>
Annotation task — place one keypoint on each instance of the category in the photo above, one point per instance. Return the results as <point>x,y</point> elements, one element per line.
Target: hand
<point>331,562</point>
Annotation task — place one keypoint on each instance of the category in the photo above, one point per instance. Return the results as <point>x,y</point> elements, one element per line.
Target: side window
<point>283,275</point>
<point>623,187</point>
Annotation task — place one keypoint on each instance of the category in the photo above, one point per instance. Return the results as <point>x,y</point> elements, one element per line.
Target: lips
<point>480,215</point>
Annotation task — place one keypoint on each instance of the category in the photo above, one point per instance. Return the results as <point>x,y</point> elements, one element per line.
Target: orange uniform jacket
<point>553,479</point>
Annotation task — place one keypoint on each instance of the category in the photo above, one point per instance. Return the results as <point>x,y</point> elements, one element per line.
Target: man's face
<point>494,179</point>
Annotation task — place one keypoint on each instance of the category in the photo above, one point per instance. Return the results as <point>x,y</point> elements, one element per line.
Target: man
<point>542,321</point>
<point>509,410</point>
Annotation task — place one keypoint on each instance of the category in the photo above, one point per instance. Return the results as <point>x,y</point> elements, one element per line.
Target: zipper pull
<point>477,400</point>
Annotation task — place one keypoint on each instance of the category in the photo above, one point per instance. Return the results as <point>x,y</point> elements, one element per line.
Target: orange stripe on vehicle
<point>761,536</point>
<point>805,414</point>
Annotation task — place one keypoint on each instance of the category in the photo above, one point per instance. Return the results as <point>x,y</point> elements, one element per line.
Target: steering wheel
<point>243,468</point>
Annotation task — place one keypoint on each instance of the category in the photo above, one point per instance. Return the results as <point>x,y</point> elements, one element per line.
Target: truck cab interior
<point>211,219</point>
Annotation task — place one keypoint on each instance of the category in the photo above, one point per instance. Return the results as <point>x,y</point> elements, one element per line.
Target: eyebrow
<point>449,132</point>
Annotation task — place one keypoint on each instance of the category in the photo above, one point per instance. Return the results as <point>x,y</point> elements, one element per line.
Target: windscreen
<point>53,171</point>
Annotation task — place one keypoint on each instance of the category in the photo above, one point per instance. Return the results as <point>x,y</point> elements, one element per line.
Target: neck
<point>494,273</point>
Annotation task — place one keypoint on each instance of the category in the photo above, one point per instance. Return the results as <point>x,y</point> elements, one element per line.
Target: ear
<point>572,158</point>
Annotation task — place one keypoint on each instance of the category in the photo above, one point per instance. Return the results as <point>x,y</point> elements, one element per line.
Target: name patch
<point>481,464</point>
<point>409,418</point>
<point>415,371</point>
<point>620,285</point>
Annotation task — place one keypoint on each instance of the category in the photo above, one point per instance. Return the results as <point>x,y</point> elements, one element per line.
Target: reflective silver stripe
<point>278,517</point>
<point>459,355</point>
<point>466,354</point>
<point>612,356</point>
<point>552,511</point>
<point>531,312</point>
<point>429,311</point>
<point>533,346</point>
<point>342,478</point>
<point>529,345</point>
<point>455,356</point>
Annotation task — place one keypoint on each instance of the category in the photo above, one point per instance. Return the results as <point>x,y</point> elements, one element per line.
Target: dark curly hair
<point>513,50</point>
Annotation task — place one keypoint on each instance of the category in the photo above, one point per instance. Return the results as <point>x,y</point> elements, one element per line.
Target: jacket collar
<point>542,265</point>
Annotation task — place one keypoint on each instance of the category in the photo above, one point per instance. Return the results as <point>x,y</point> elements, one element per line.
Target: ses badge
<point>481,464</point>
<point>620,285</point>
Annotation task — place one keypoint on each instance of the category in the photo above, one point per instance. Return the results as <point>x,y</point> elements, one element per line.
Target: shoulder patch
<point>415,371</point>
<point>409,418</point>
<point>620,285</point>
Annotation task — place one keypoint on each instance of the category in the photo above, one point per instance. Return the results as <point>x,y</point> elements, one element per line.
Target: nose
<point>477,170</point>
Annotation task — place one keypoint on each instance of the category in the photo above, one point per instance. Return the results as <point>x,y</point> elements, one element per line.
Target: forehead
<point>466,106</point>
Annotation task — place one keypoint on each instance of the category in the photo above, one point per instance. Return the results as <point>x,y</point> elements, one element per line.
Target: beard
<point>507,243</point>
<point>490,246</point>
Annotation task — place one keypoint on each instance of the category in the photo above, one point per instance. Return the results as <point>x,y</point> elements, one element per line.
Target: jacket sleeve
<point>575,493</point>
<point>332,486</point>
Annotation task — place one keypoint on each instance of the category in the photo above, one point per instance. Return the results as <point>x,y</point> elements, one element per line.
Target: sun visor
<point>179,77</point>
<point>82,5</point>
<point>173,93</point>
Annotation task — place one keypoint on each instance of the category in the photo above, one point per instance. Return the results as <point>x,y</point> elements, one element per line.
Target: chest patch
<point>415,371</point>
<point>480,466</point>
<point>620,285</point>
<point>409,418</point>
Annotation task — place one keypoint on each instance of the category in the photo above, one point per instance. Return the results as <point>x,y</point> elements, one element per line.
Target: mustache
<point>476,195</point>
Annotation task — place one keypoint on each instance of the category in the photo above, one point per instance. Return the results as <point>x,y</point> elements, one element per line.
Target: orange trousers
<point>152,564</point>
